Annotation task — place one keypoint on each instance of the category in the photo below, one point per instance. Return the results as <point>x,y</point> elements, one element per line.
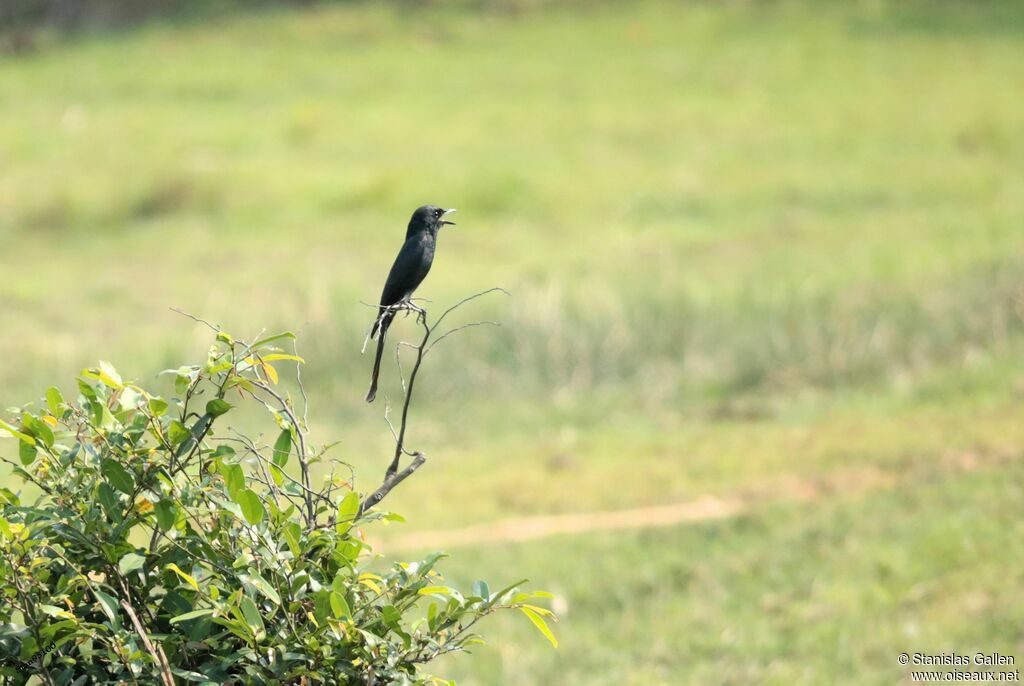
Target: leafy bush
<point>165,549</point>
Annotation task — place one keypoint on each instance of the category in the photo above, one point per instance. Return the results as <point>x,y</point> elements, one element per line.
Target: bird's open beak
<point>446,213</point>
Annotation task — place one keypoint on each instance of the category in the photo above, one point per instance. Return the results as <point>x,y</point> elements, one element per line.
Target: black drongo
<point>407,273</point>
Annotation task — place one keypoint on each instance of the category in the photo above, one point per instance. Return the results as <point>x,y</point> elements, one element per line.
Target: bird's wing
<point>408,271</point>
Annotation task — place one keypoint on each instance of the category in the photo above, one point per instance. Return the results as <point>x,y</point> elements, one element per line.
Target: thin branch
<point>446,334</point>
<point>389,483</point>
<point>302,388</point>
<point>392,477</point>
<point>25,473</point>
<point>387,418</point>
<point>400,443</point>
<point>155,650</point>
<point>301,449</point>
<point>213,327</point>
<point>467,299</point>
<point>254,450</point>
<point>401,372</point>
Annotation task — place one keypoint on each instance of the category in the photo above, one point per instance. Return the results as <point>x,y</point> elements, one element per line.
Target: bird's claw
<point>410,306</point>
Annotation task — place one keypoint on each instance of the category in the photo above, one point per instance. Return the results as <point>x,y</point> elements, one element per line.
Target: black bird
<point>407,273</point>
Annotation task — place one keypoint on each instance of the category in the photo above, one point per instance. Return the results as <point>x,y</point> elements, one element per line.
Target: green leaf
<point>263,586</point>
<point>340,583</point>
<point>109,607</point>
<point>292,533</point>
<point>542,611</point>
<point>157,406</point>
<point>436,590</point>
<point>226,454</point>
<point>182,381</point>
<point>53,611</point>
<point>200,426</point>
<point>321,606</point>
<point>541,625</point>
<point>117,476</point>
<point>276,474</point>
<point>8,497</point>
<point>187,578</point>
<point>234,478</point>
<point>108,499</point>
<point>25,438</point>
<point>178,432</point>
<point>282,448</point>
<point>194,614</point>
<point>86,389</point>
<point>39,429</point>
<point>252,507</point>
<point>27,453</point>
<point>217,407</point>
<point>481,589</point>
<point>349,549</point>
<point>129,399</point>
<point>391,615</point>
<point>509,589</point>
<point>236,626</point>
<point>54,400</point>
<point>276,337</point>
<point>339,606</point>
<point>106,374</point>
<point>109,375</point>
<point>273,357</point>
<point>166,514</point>
<point>131,562</point>
<point>102,415</point>
<point>252,616</point>
<point>348,508</point>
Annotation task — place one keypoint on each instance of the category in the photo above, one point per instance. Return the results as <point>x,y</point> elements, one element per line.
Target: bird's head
<point>429,218</point>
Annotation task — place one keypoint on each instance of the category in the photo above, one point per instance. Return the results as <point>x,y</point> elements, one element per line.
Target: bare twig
<point>300,448</point>
<point>400,443</point>
<point>214,327</point>
<point>28,476</point>
<point>467,299</point>
<point>446,334</point>
<point>387,419</point>
<point>154,649</point>
<point>393,477</point>
<point>255,452</point>
<point>390,482</point>
<point>302,388</point>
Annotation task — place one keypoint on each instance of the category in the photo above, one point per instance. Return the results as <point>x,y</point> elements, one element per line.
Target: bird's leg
<point>410,306</point>
<point>421,314</point>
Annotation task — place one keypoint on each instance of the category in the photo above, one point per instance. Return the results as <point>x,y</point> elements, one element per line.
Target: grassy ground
<point>765,251</point>
<point>791,594</point>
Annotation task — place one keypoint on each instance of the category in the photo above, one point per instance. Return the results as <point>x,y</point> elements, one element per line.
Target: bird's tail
<point>380,330</point>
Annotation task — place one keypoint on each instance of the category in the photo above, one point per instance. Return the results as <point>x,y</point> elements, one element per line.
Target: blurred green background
<point>765,254</point>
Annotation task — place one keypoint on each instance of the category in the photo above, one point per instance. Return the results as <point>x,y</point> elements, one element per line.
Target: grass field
<point>767,252</point>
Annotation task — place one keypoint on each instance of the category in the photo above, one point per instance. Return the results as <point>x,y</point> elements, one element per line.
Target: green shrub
<point>165,548</point>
